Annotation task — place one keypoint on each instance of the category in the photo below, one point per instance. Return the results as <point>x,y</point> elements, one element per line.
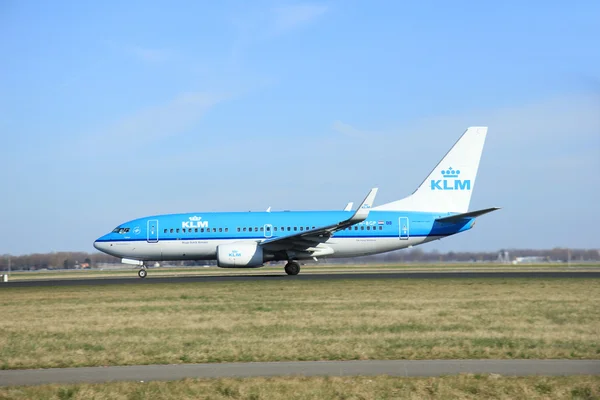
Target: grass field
<point>455,387</point>
<point>299,320</point>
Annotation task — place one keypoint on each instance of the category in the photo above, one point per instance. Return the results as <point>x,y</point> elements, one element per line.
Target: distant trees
<point>55,260</point>
<point>70,260</point>
<point>419,255</point>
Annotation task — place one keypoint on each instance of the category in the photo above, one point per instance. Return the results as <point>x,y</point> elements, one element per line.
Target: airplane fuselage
<point>196,236</point>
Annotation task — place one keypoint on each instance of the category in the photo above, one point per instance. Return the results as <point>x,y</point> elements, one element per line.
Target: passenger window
<point>260,229</point>
<point>381,228</point>
<point>313,227</point>
<point>275,229</point>
<point>201,229</point>
<point>171,230</point>
<point>356,228</point>
<point>183,230</point>
<point>301,228</point>
<point>214,229</point>
<point>165,231</point>
<point>362,228</point>
<point>295,228</point>
<point>368,228</point>
<point>238,229</point>
<point>177,230</point>
<point>220,229</point>
<point>307,228</point>
<point>244,229</point>
<point>226,229</point>
<point>196,230</point>
<point>289,229</point>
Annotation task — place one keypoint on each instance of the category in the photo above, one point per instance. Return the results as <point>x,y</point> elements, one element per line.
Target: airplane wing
<point>308,240</point>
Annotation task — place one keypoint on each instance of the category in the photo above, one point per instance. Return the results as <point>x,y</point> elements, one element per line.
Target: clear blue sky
<point>115,110</point>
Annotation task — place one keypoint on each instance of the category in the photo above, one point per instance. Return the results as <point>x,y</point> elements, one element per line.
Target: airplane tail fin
<point>449,186</point>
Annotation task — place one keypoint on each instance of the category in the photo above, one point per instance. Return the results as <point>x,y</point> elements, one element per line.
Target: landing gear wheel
<point>292,268</point>
<point>142,273</point>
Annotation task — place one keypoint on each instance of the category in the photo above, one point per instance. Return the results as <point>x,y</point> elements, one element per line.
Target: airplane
<point>437,209</point>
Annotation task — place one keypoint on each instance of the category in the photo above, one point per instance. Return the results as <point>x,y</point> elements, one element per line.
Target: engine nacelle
<point>239,255</point>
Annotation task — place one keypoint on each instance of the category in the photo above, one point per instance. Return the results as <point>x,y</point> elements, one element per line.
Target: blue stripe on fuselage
<point>226,224</point>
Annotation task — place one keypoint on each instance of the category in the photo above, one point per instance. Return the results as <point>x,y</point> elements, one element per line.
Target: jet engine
<point>239,255</point>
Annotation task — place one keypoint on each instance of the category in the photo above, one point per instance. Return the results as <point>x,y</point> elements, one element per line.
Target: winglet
<point>349,206</point>
<point>363,210</point>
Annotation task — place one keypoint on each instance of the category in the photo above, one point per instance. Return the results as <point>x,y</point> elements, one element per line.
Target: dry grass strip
<point>299,320</point>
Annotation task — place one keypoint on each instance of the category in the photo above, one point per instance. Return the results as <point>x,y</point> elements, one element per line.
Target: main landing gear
<point>142,272</point>
<point>292,268</point>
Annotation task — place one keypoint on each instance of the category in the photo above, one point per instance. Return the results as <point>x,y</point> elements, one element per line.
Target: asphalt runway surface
<point>403,368</point>
<point>133,279</point>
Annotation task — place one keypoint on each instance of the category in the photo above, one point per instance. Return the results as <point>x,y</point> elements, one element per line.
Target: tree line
<point>506,255</point>
<point>74,260</point>
<point>57,260</point>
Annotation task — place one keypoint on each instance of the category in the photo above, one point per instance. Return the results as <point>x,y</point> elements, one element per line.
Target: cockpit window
<point>121,230</point>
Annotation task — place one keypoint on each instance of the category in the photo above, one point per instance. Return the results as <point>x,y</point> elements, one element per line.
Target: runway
<point>302,277</point>
<point>402,368</point>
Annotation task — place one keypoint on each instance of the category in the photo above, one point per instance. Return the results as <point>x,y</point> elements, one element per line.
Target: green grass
<point>299,320</point>
<point>365,388</point>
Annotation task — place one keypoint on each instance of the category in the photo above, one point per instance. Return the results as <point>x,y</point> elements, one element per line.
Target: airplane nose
<point>106,247</point>
<point>100,245</point>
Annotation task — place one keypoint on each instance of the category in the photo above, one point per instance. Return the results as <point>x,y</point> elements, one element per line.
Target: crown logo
<point>450,173</point>
<point>195,218</point>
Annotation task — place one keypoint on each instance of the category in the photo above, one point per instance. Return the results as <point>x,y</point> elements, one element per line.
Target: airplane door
<point>404,228</point>
<point>268,230</point>
<point>152,231</point>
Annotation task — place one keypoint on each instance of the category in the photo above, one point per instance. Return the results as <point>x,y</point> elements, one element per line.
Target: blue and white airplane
<point>438,208</point>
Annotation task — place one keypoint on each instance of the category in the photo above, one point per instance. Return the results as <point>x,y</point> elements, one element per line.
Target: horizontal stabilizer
<point>472,214</point>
